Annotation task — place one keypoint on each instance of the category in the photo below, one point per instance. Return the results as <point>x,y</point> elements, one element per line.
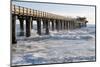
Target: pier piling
<point>14,29</point>
<point>21,27</point>
<point>47,27</point>
<point>39,26</point>
<point>28,26</point>
<point>53,25</point>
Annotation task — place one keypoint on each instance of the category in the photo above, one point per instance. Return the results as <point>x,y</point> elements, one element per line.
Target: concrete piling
<point>14,29</point>
<point>52,25</point>
<point>39,26</point>
<point>28,26</point>
<point>21,27</point>
<point>47,27</point>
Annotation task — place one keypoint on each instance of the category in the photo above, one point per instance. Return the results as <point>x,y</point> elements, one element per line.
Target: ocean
<point>65,46</point>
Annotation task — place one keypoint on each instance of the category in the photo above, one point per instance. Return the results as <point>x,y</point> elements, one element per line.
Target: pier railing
<point>19,10</point>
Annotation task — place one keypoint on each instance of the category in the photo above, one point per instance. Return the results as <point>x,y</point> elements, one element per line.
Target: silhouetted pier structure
<point>58,22</point>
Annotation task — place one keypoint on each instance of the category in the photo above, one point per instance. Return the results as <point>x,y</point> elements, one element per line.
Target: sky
<point>61,9</point>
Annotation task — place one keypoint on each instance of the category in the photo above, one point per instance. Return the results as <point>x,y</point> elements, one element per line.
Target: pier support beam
<point>85,23</point>
<point>66,25</point>
<point>39,26</point>
<point>31,24</point>
<point>75,25</point>
<point>82,25</point>
<point>47,27</point>
<point>14,29</point>
<point>49,23</point>
<point>79,25</point>
<point>53,25</point>
<point>31,20</point>
<point>28,26</point>
<point>71,25</point>
<point>21,26</point>
<point>62,25</point>
<point>57,25</point>
<point>44,24</point>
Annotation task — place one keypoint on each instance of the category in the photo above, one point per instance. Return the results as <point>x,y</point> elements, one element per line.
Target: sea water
<point>58,47</point>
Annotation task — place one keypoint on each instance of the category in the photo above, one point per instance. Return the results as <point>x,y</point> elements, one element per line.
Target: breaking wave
<point>78,34</point>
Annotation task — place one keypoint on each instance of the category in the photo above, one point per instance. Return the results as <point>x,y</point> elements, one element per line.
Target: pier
<point>57,22</point>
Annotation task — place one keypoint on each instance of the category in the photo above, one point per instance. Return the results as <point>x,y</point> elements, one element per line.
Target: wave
<point>72,46</point>
<point>78,34</point>
<point>30,59</point>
